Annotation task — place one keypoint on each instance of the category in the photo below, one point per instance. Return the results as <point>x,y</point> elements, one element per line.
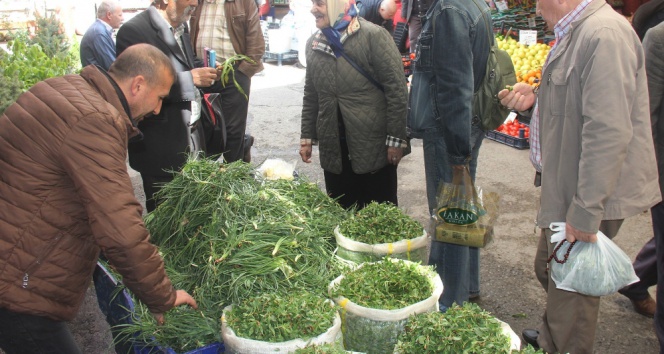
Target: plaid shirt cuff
<point>396,142</point>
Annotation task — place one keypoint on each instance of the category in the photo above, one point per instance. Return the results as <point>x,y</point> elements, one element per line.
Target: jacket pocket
<point>558,90</point>
<point>423,59</point>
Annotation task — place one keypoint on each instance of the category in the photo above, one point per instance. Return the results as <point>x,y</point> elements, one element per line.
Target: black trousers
<point>657,213</point>
<point>23,333</point>
<point>234,106</point>
<point>361,189</point>
<point>645,267</point>
<point>153,183</point>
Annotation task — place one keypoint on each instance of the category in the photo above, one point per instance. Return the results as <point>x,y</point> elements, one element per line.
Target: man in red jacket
<point>66,196</point>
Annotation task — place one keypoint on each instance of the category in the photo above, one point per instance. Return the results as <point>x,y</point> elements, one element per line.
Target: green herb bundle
<point>380,223</point>
<point>385,285</point>
<point>322,349</point>
<point>226,237</point>
<point>275,318</point>
<point>462,329</point>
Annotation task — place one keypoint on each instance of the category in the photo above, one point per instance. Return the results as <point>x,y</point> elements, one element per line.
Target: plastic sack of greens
<point>595,269</point>
<point>377,299</point>
<point>465,214</point>
<point>379,230</point>
<point>275,323</point>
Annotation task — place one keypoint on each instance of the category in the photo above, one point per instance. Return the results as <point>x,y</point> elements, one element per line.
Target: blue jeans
<point>458,266</point>
<point>23,333</point>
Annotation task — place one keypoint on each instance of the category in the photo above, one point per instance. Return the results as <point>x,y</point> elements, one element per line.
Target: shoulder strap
<point>488,26</point>
<point>364,73</point>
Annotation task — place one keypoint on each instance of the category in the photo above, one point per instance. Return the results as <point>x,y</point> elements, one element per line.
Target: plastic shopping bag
<point>465,214</point>
<point>595,269</point>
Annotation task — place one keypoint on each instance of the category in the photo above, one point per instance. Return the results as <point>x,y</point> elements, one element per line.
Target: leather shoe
<point>645,307</point>
<point>248,143</point>
<point>530,337</point>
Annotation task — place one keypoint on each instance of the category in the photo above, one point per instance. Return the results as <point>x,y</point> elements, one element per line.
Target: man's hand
<point>204,77</point>
<point>181,298</point>
<point>305,152</point>
<point>572,234</point>
<point>394,155</point>
<point>521,97</point>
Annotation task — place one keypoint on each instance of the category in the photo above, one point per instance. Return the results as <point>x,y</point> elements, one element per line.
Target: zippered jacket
<point>65,195</point>
<point>598,159</point>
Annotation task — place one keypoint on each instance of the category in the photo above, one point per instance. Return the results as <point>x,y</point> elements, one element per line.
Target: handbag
<point>214,125</point>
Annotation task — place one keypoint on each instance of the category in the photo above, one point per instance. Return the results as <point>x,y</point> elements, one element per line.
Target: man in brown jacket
<point>66,196</point>
<point>229,28</point>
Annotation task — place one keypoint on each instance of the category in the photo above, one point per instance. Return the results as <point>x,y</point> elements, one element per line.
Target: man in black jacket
<point>175,132</point>
<point>379,12</point>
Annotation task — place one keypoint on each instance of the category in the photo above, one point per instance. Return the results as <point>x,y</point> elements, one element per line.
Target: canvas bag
<point>499,74</point>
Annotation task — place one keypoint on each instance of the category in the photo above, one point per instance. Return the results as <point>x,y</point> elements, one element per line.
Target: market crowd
<point>66,197</point>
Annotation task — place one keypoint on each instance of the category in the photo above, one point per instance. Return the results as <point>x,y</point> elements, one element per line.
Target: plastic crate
<point>515,142</point>
<point>116,304</point>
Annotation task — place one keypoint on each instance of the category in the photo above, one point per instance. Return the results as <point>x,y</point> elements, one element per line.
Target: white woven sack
<point>238,345</point>
<point>426,305</point>
<point>380,249</point>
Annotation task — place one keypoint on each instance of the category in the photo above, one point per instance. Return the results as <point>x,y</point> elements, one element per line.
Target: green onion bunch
<point>380,223</point>
<point>226,237</point>
<point>386,285</point>
<point>279,318</point>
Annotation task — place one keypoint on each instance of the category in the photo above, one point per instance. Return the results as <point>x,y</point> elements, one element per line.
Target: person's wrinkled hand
<point>394,155</point>
<point>521,97</point>
<point>204,77</point>
<point>181,298</point>
<point>572,234</point>
<point>305,152</point>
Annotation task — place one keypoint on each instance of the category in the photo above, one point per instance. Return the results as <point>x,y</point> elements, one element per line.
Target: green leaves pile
<point>322,349</point>
<point>226,237</point>
<point>380,223</point>
<point>386,285</point>
<point>466,329</point>
<point>275,318</point>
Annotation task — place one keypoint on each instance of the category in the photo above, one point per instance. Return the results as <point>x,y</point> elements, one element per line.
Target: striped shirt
<point>213,31</point>
<point>560,30</point>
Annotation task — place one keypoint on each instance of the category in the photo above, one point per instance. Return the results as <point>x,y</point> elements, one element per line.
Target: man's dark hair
<point>141,59</point>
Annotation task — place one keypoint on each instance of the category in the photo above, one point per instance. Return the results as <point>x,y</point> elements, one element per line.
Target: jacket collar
<point>164,33</point>
<point>591,9</point>
<point>321,43</point>
<point>109,90</point>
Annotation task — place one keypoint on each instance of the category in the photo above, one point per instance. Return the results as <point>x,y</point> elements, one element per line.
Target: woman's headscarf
<point>340,13</point>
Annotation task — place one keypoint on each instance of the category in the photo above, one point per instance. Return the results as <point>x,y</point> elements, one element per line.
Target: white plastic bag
<point>594,269</point>
<point>273,169</point>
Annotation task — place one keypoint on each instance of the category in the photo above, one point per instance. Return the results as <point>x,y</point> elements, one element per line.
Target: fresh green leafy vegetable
<point>322,349</point>
<point>380,223</point>
<point>226,237</point>
<point>461,329</point>
<point>385,285</point>
<point>279,318</point>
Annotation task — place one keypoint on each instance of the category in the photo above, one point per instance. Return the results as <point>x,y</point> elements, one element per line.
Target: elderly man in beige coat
<point>592,143</point>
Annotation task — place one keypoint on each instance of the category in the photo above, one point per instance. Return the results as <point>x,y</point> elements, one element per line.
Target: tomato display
<point>515,128</point>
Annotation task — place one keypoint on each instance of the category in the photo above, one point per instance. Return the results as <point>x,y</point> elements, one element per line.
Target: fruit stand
<point>528,60</point>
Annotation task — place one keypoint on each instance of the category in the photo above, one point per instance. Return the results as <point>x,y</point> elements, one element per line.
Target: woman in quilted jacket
<point>355,103</point>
